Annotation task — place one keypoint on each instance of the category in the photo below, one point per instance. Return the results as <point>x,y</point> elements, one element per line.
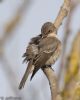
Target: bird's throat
<point>52,35</point>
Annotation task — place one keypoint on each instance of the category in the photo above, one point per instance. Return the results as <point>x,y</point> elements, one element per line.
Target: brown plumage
<point>42,50</point>
<point>31,51</point>
<point>47,56</point>
<point>32,48</point>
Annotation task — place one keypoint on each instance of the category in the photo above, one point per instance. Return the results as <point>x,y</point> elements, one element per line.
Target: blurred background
<point>20,20</point>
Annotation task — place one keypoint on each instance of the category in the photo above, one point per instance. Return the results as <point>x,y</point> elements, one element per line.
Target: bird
<point>48,48</point>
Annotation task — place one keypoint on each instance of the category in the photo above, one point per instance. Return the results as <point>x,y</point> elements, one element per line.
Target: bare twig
<point>62,13</point>
<point>52,81</point>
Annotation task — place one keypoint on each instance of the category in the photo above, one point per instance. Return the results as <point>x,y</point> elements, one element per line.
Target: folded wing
<point>47,48</point>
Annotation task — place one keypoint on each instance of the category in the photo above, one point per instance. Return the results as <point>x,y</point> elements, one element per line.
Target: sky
<point>35,14</point>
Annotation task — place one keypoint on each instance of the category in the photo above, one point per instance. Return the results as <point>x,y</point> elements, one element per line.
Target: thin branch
<point>52,81</point>
<point>62,13</point>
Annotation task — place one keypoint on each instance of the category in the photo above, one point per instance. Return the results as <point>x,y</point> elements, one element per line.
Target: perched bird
<point>48,49</point>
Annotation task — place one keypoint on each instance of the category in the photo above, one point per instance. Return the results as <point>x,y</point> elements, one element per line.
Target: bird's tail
<point>27,72</point>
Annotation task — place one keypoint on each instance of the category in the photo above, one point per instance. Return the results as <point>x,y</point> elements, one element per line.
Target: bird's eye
<point>49,31</point>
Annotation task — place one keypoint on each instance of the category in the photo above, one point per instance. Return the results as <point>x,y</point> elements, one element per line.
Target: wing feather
<point>47,48</point>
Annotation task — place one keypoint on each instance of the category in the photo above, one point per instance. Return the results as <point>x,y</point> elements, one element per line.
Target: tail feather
<point>34,72</point>
<point>27,72</point>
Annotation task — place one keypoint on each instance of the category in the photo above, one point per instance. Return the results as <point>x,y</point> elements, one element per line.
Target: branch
<point>48,71</point>
<point>62,13</point>
<point>50,74</point>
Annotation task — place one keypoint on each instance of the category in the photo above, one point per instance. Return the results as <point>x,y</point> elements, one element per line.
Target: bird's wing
<point>35,40</point>
<point>27,72</point>
<point>32,48</point>
<point>47,48</point>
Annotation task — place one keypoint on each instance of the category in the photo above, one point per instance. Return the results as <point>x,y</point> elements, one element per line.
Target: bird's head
<point>47,28</point>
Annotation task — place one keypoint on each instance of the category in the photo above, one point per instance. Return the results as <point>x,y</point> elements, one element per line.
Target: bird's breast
<point>54,56</point>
